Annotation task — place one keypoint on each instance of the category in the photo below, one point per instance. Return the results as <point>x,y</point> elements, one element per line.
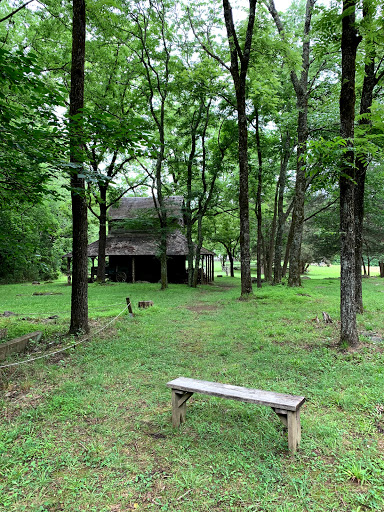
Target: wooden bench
<point>287,407</point>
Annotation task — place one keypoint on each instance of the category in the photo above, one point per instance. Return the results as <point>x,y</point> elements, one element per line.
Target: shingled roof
<point>133,207</point>
<point>141,244</point>
<point>133,242</point>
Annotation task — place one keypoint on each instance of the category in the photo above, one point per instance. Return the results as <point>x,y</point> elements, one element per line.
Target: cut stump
<point>145,303</point>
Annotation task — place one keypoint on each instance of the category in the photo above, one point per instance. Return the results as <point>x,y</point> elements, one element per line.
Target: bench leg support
<point>179,406</point>
<point>291,419</point>
<point>282,415</point>
<point>294,430</point>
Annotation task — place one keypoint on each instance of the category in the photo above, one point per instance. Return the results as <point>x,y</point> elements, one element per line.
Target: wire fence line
<point>72,345</point>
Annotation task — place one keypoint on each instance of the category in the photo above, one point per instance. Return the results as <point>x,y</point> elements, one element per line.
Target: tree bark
<point>361,161</point>
<point>79,298</point>
<point>258,202</point>
<point>349,44</point>
<point>158,83</point>
<point>239,69</point>
<point>188,204</point>
<point>245,250</point>
<point>199,245</point>
<point>302,93</point>
<point>281,216</point>
<point>270,249</point>
<point>102,235</point>
<point>231,264</point>
<point>287,251</point>
<point>298,210</point>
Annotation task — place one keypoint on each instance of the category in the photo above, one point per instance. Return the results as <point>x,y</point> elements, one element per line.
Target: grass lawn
<point>90,429</point>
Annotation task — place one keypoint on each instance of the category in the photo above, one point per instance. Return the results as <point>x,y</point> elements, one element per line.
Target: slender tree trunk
<point>102,235</point>
<point>302,93</point>
<point>287,251</point>
<point>198,250</point>
<point>258,201</point>
<point>231,264</point>
<point>191,219</point>
<point>157,93</point>
<point>281,216</point>
<point>298,210</point>
<point>361,162</point>
<point>239,69</point>
<point>245,250</point>
<point>268,270</point>
<point>191,254</point>
<point>162,212</point>
<point>349,44</point>
<point>79,298</point>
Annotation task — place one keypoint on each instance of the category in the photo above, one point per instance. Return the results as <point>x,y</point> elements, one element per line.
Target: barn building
<point>132,245</point>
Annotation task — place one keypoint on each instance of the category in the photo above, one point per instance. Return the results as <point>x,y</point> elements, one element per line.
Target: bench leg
<point>294,430</point>
<point>179,406</point>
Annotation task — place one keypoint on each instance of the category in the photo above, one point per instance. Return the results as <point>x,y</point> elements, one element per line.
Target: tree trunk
<point>281,216</point>
<point>258,202</point>
<point>268,269</point>
<point>231,264</point>
<point>102,235</point>
<point>191,254</point>
<point>161,210</point>
<point>287,251</point>
<point>188,207</point>
<point>79,298</point>
<point>239,75</point>
<point>349,43</point>
<point>361,162</point>
<point>302,93</point>
<point>198,250</point>
<point>245,250</point>
<point>298,211</point>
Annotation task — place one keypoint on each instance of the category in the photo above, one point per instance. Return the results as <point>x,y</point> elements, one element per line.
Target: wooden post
<point>133,270</point>
<point>129,306</point>
<point>179,406</point>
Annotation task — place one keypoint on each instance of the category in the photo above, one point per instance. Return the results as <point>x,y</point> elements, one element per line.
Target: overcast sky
<point>281,5</point>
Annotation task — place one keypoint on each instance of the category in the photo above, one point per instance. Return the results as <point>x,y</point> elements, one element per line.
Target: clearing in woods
<point>90,429</point>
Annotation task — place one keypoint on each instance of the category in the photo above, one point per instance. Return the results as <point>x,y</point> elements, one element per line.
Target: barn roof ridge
<point>129,207</point>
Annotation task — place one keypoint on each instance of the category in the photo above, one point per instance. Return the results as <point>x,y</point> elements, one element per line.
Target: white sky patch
<point>239,13</point>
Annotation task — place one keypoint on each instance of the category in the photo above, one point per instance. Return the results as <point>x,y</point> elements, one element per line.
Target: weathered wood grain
<point>287,407</point>
<point>255,396</point>
<point>179,407</point>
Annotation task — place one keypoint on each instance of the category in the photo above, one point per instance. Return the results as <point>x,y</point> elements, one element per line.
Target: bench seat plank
<point>255,396</point>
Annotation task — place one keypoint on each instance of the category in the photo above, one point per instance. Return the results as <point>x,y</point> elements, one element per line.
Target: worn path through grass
<point>90,430</point>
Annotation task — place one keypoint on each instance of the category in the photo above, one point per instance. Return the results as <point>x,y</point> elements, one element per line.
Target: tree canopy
<point>238,114</point>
